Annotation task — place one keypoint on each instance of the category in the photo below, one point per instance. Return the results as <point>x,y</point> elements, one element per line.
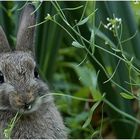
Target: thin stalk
<point>69,96</point>
<point>121,112</point>
<point>83,13</point>
<point>113,72</point>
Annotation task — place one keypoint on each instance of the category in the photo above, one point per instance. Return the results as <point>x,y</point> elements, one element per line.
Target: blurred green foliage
<point>96,67</point>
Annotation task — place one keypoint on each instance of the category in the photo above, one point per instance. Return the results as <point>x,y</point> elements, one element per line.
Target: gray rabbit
<point>21,90</point>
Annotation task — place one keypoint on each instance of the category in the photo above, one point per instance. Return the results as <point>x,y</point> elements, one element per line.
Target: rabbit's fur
<point>21,91</point>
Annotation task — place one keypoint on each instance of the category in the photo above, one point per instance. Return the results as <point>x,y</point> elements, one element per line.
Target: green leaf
<point>90,114</point>
<point>83,21</point>
<point>77,45</point>
<point>88,78</point>
<point>92,41</point>
<point>127,96</point>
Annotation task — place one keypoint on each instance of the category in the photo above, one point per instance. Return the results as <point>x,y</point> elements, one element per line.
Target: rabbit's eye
<point>1,78</point>
<point>36,75</point>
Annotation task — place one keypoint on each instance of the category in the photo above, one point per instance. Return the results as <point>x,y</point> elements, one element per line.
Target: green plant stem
<point>121,112</point>
<point>12,124</point>
<point>69,96</point>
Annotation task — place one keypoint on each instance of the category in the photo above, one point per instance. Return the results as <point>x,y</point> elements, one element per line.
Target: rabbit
<point>22,90</point>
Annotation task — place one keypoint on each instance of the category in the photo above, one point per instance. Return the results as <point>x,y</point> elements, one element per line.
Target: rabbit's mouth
<point>27,108</point>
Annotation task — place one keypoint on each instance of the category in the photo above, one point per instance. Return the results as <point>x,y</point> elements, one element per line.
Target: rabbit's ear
<point>25,36</point>
<point>4,45</point>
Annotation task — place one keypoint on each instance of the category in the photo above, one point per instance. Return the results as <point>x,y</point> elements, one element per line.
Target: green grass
<point>89,54</point>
